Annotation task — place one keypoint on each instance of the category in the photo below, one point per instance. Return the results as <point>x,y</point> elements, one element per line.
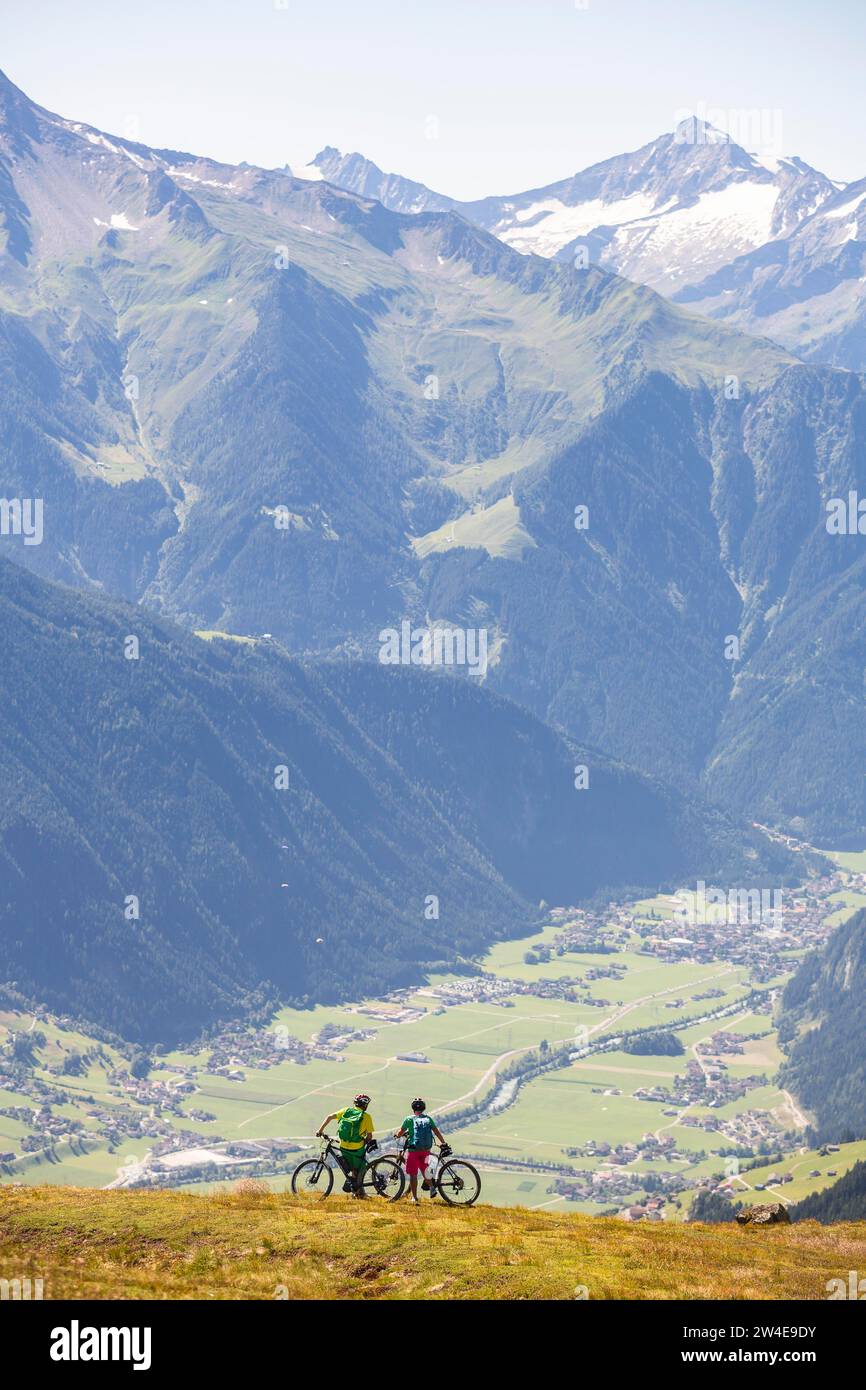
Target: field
<point>463,1043</point>
<point>800,1165</point>
<point>251,1245</point>
<point>849,903</point>
<point>853,861</point>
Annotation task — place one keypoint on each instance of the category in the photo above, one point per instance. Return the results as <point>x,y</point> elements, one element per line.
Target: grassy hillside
<point>86,1244</point>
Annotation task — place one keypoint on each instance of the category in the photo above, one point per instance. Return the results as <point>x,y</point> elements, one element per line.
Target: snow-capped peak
<point>694,131</point>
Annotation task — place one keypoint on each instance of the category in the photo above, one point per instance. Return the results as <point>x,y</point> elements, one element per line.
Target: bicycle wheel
<point>458,1183</point>
<point>313,1176</point>
<point>384,1177</point>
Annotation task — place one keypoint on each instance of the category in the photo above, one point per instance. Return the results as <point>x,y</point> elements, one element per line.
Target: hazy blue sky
<point>521,93</point>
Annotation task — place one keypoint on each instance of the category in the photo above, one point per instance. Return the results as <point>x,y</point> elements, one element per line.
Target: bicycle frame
<point>331,1149</point>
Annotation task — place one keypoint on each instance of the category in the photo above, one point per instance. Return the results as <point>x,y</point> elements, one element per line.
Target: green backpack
<point>349,1128</point>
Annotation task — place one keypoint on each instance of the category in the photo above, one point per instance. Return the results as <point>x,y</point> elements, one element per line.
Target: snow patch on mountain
<point>847,208</point>
<point>207,183</point>
<point>714,230</point>
<point>716,227</point>
<point>119,222</point>
<point>96,137</point>
<point>548,225</point>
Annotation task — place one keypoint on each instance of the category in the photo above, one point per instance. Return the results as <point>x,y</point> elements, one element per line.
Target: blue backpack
<point>422,1132</point>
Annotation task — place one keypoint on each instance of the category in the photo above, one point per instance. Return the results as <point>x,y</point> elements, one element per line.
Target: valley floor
<point>610,1130</point>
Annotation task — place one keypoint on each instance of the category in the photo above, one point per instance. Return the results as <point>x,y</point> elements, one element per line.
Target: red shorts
<point>416,1161</point>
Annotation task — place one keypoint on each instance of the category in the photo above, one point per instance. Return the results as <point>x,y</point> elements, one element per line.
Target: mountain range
<point>260,403</point>
<point>765,243</point>
<point>257,403</point>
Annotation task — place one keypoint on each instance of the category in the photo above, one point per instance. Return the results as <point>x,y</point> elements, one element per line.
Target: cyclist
<point>419,1129</point>
<point>355,1132</point>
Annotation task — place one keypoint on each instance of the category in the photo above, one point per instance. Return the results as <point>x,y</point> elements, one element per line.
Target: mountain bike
<point>382,1177</point>
<point>454,1180</point>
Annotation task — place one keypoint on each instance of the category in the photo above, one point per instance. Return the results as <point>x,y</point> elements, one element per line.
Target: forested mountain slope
<point>844,1201</point>
<point>189,829</point>
<point>823,1022</point>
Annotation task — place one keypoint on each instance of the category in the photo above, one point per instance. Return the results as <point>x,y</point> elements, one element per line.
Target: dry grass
<point>250,1244</point>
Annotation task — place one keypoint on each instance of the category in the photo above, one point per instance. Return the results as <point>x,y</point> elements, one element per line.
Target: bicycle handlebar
<point>335,1139</point>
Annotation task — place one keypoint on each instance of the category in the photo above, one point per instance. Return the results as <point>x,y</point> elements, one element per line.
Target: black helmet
<point>419,1104</point>
<point>362,1100</point>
